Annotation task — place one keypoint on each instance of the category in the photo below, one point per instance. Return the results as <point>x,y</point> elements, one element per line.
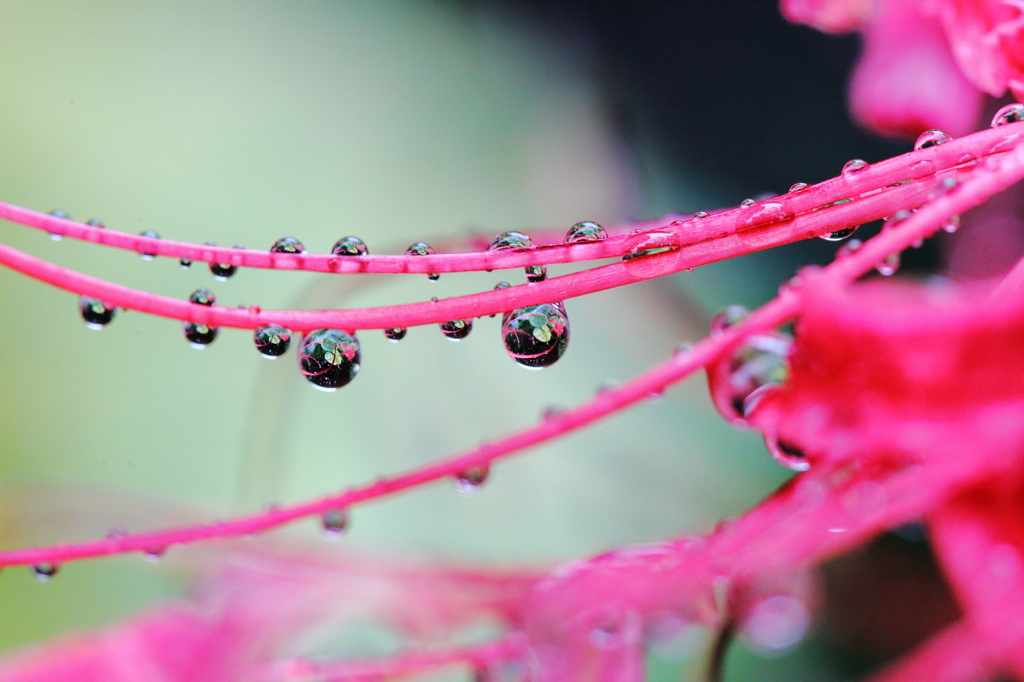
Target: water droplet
<point>95,312</point>
<point>759,361</point>
<point>456,330</point>
<point>272,340</point>
<point>700,214</point>
<point>186,263</point>
<point>747,202</point>
<point>854,166</point>
<point>536,336</point>
<point>797,187</point>
<point>117,532</point>
<point>777,623</point>
<point>395,334</point>
<point>786,454</point>
<point>200,335</point>
<point>1011,113</point>
<point>154,554</point>
<point>536,273</point>
<point>44,571</point>
<point>151,234</point>
<point>222,272</point>
<point>840,235</point>
<point>335,523</point>
<point>889,266</point>
<point>501,285</point>
<point>469,480</point>
<point>350,246</point>
<point>585,232</point>
<point>553,411</point>
<point>329,358</point>
<point>422,249</point>
<point>727,317</point>
<point>63,215</point>
<point>96,222</point>
<point>848,248</point>
<point>952,225</point>
<point>896,218</point>
<point>931,138</point>
<point>287,245</point>
<point>517,241</point>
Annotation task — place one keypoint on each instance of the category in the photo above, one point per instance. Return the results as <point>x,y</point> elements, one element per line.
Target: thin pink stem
<point>978,186</point>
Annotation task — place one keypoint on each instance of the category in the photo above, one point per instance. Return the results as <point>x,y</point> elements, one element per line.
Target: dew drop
<point>585,232</point>
<point>889,266</point>
<point>553,411</point>
<point>747,202</point>
<point>761,360</point>
<point>797,187</point>
<point>200,335</point>
<point>329,358</point>
<point>335,523</point>
<point>151,234</point>
<point>287,245</point>
<point>776,624</point>
<point>185,263</point>
<point>95,312</point>
<point>727,317</point>
<point>44,572</point>
<point>536,273</point>
<point>395,334</point>
<point>501,285</point>
<point>154,554</point>
<point>786,454</point>
<point>96,222</point>
<point>854,166</point>
<point>63,215</point>
<point>272,340</point>
<point>700,214</point>
<point>848,248</point>
<point>469,480</point>
<point>350,246</point>
<point>952,225</point>
<point>456,330</point>
<point>222,272</point>
<point>517,241</point>
<point>896,218</point>
<point>931,138</point>
<point>536,336</point>
<point>422,249</point>
<point>840,235</point>
<point>117,532</point>
<point>1011,113</point>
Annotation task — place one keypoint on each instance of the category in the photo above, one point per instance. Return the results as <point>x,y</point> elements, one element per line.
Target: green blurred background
<point>244,122</point>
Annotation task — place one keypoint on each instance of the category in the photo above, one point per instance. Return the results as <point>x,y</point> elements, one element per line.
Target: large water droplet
<point>761,360</point>
<point>329,358</point>
<point>95,312</point>
<point>287,245</point>
<point>786,454</point>
<point>272,340</point>
<point>536,336</point>
<point>797,187</point>
<point>44,571</point>
<point>585,232</point>
<point>854,166</point>
<point>200,335</point>
<point>350,246</point>
<point>456,330</point>
<point>335,523</point>
<point>747,202</point>
<point>1011,113</point>
<point>840,235</point>
<point>727,317</point>
<point>931,138</point>
<point>223,271</point>
<point>395,334</point>
<point>422,249</point>
<point>517,241</point>
<point>469,480</point>
<point>152,234</point>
